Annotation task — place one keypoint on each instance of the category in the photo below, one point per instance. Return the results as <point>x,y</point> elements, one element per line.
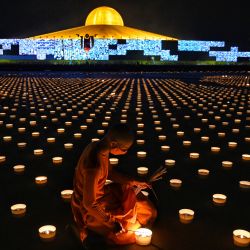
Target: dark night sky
<point>184,19</point>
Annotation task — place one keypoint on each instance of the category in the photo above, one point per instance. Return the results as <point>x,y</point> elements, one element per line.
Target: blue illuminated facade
<point>111,49</point>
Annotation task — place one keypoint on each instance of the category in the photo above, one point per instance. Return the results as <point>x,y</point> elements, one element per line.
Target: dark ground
<point>212,226</point>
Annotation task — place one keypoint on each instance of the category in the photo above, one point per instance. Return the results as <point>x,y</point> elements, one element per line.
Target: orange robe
<point>97,206</point>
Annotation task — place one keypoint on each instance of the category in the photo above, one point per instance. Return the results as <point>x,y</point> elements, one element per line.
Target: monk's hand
<point>141,184</point>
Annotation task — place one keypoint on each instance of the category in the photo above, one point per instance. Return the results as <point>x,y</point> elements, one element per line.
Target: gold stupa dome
<point>104,16</point>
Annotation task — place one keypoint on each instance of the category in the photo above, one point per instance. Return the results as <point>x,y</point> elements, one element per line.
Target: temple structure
<point>105,22</point>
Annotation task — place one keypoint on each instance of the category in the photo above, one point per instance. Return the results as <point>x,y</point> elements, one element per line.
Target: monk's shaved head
<point>120,133</point>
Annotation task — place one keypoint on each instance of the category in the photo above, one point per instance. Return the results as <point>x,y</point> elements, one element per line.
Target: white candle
<point>194,155</point>
<point>68,145</point>
<point>241,237</point>
<point>77,135</point>
<point>186,215</point>
<point>140,142</point>
<point>51,140</point>
<point>19,168</point>
<point>41,180</point>
<point>100,131</point>
<point>165,148</point>
<point>142,171</point>
<point>187,143</point>
<point>246,157</point>
<point>18,210</point>
<point>113,161</point>
<point>169,162</point>
<point>244,184</point>
<point>203,172</point>
<point>141,154</point>
<point>47,232</point>
<point>205,138</point>
<point>227,164</point>
<point>162,137</point>
<point>38,151</point>
<point>215,149</point>
<point>175,183</point>
<point>232,144</point>
<point>219,199</point>
<point>83,127</point>
<point>143,236</point>
<point>7,138</point>
<point>57,160</point>
<point>95,139</point>
<point>180,133</point>
<point>21,144</point>
<point>66,194</point>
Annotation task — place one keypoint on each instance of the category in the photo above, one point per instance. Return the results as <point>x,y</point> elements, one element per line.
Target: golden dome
<point>104,16</point>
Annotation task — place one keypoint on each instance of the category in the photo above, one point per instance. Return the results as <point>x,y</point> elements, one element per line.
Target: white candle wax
<point>47,232</point>
<point>241,237</point>
<point>143,236</point>
<point>41,180</point>
<point>169,162</point>
<point>141,154</point>
<point>18,209</point>
<point>57,160</point>
<point>186,215</point>
<point>19,168</point>
<point>142,170</point>
<point>113,161</point>
<point>66,194</point>
<point>219,199</point>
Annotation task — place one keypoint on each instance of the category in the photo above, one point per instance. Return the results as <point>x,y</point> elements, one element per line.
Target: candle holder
<point>47,232</point>
<point>241,238</point>
<point>142,171</point>
<point>38,151</point>
<point>247,139</point>
<point>41,180</point>
<point>143,236</point>
<point>244,184</point>
<point>141,154</point>
<point>169,162</point>
<point>57,160</point>
<point>158,128</point>
<point>66,194</point>
<point>175,183</point>
<point>186,215</point>
<point>219,199</point>
<point>18,210</point>
<point>19,168</point>
<point>197,130</point>
<point>113,161</point>
<point>246,157</point>
<point>89,120</point>
<point>105,124</point>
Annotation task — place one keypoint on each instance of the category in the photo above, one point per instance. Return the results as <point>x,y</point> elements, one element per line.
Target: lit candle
<point>140,125</point>
<point>66,194</point>
<point>107,182</point>
<point>60,130</point>
<point>38,151</point>
<point>9,125</point>
<point>77,135</point>
<point>7,138</point>
<point>140,132</point>
<point>203,172</point>
<point>140,142</point>
<point>113,161</point>
<point>95,139</point>
<point>158,128</point>
<point>143,236</point>
<point>244,184</point>
<point>219,199</point>
<point>194,155</point>
<point>197,130</point>
<point>221,134</point>
<point>247,139</point>
<point>105,124</point>
<point>232,144</point>
<point>142,171</point>
<point>18,210</point>
<point>57,160</point>
<point>180,133</point>
<point>21,130</point>
<point>215,149</point>
<point>141,154</point>
<point>47,232</point>
<point>241,237</point>
<point>83,127</point>
<point>162,137</point>
<point>246,157</point>
<point>187,143</point>
<point>68,145</point>
<point>19,168</point>
<point>186,215</point>
<point>227,164</point>
<point>41,180</point>
<point>165,148</point>
<point>21,144</point>
<point>169,162</point>
<point>175,183</point>
<point>205,138</point>
<point>51,140</point>
<point>100,131</point>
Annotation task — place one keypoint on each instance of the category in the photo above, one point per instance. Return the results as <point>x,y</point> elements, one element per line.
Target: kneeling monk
<point>112,210</point>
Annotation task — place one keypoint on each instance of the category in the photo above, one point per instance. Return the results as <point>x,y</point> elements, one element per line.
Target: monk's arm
<point>90,185</point>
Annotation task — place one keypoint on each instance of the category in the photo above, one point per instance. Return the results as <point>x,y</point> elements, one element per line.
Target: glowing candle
<point>83,127</point>
<point>227,164</point>
<point>221,134</point>
<point>140,142</point>
<point>18,210</point>
<point>205,138</point>
<point>21,144</point>
<point>169,162</point>
<point>241,237</point>
<point>140,125</point>
<point>107,182</point>
<point>175,183</point>
<point>60,130</point>
<point>219,199</point>
<point>158,128</point>
<point>140,132</point>
<point>9,125</point>
<point>123,121</point>
<point>105,124</point>
<point>232,144</point>
<point>95,139</point>
<point>68,145</point>
<point>68,123</point>
<point>7,138</point>
<point>142,171</point>
<point>162,137</point>
<point>197,130</point>
<point>77,135</point>
<point>66,194</point>
<point>215,149</point>
<point>157,122</point>
<point>246,157</point>
<point>51,140</point>
<point>21,130</point>
<point>100,131</point>
<point>180,133</point>
<point>113,161</point>
<point>38,151</point>
<point>143,236</point>
<point>89,120</point>
<point>244,184</point>
<point>235,130</point>
<point>203,172</point>
<point>19,168</point>
<point>32,123</point>
<point>35,134</point>
<point>187,143</point>
<point>47,232</point>
<point>141,154</point>
<point>40,180</point>
<point>57,160</point>
<point>194,155</point>
<point>186,215</point>
<point>165,148</point>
